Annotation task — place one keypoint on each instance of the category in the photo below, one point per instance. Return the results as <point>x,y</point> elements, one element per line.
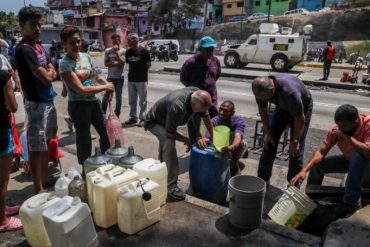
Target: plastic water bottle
<point>61,186</point>
<point>72,173</point>
<point>77,187</point>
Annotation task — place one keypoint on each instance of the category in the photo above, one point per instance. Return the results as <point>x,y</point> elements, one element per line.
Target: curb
<point>347,86</point>
<point>346,67</point>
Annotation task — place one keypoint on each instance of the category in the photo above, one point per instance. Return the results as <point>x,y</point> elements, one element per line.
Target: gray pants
<point>167,153</point>
<point>136,89</point>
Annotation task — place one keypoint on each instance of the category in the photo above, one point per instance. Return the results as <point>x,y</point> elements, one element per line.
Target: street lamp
<point>241,22</point>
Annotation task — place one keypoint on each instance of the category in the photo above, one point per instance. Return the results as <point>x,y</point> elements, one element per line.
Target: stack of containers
<point>31,216</point>
<point>68,223</point>
<point>156,171</point>
<point>137,209</point>
<point>104,188</point>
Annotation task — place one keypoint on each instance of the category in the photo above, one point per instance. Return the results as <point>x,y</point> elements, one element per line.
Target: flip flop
<point>13,224</point>
<point>11,210</point>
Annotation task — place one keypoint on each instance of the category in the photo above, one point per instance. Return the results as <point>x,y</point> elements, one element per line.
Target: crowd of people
<point>196,102</point>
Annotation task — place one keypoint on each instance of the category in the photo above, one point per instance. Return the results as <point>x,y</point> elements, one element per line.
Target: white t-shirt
<point>5,65</point>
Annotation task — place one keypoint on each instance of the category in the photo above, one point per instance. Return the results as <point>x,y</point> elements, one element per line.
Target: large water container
<point>90,178</point>
<point>69,224</point>
<point>104,190</point>
<point>130,159</point>
<point>209,174</point>
<point>30,214</point>
<point>156,171</point>
<point>61,185</point>
<point>116,152</point>
<point>135,211</point>
<point>95,161</point>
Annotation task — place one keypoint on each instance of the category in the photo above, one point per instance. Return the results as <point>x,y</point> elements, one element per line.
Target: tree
<point>7,21</point>
<point>189,9</point>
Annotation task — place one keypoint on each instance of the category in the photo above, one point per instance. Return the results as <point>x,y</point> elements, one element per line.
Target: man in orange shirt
<point>329,56</point>
<point>351,133</point>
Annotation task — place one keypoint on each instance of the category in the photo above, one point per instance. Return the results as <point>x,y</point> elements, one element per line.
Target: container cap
<point>130,159</point>
<point>98,158</point>
<point>117,150</point>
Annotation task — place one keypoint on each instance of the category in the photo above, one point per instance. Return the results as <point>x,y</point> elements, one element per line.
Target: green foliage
<point>8,21</point>
<point>167,11</point>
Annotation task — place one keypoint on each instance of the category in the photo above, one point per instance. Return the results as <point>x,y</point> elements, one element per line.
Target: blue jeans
<point>280,119</point>
<point>118,85</point>
<point>135,90</point>
<point>357,168</point>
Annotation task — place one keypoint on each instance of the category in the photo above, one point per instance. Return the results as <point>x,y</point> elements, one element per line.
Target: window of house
<point>240,4</point>
<point>268,2</point>
<point>290,40</point>
<point>258,3</point>
<point>272,40</point>
<point>229,6</point>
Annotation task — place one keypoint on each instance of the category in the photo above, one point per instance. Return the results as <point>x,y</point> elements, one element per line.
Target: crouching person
<point>351,133</point>
<point>238,147</point>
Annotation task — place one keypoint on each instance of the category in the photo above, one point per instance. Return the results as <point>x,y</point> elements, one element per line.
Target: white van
<point>164,42</point>
<point>301,11</point>
<point>281,51</point>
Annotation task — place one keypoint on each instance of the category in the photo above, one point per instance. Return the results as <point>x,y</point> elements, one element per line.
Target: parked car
<point>301,11</point>
<point>238,18</point>
<point>258,15</point>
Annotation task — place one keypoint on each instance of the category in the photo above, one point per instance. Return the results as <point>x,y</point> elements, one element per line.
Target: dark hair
<point>67,32</point>
<point>14,40</point>
<point>347,113</point>
<point>114,36</point>
<point>29,13</point>
<point>230,103</point>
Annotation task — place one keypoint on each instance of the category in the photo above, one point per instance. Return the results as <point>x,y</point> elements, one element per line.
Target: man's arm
<point>238,138</point>
<point>208,123</point>
<point>46,76</point>
<point>315,159</point>
<point>298,130</point>
<point>265,119</point>
<point>360,147</point>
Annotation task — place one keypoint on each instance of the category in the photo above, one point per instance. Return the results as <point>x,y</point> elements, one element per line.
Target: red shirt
<point>330,53</point>
<point>362,134</point>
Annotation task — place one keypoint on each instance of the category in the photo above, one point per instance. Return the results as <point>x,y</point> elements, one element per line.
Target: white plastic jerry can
<point>30,214</point>
<point>156,171</point>
<point>61,186</point>
<point>104,189</point>
<point>136,209</point>
<point>89,180</point>
<point>69,224</point>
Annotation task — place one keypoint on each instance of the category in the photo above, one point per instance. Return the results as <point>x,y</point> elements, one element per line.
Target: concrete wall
<point>277,8</point>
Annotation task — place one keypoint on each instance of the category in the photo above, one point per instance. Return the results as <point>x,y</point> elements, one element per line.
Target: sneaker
<point>176,193</point>
<point>69,122</point>
<point>131,121</point>
<point>345,209</point>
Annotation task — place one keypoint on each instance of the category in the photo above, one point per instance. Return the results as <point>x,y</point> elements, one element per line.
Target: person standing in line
<point>368,62</point>
<point>114,59</point>
<point>294,107</point>
<point>203,70</point>
<point>138,59</point>
<point>328,56</point>
<point>8,104</point>
<point>5,65</point>
<point>11,54</point>
<point>4,46</point>
<point>36,76</point>
<point>77,73</point>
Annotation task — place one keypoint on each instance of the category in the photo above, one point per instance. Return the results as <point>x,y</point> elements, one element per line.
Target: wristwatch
<point>295,141</point>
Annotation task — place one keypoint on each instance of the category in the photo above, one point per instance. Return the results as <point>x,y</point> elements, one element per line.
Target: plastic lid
<point>117,150</point>
<point>98,158</point>
<point>131,158</point>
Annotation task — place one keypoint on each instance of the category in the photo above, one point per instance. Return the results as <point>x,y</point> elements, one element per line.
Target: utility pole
<point>269,11</point>
<point>24,2</point>
<point>205,17</point>
<point>241,22</point>
<point>137,16</point>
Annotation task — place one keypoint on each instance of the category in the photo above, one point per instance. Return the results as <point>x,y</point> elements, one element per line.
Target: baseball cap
<point>133,36</point>
<point>206,42</point>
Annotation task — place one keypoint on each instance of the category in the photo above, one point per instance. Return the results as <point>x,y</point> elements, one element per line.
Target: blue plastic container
<point>209,174</point>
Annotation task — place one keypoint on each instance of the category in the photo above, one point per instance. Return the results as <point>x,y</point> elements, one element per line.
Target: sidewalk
<point>346,66</point>
<point>310,80</point>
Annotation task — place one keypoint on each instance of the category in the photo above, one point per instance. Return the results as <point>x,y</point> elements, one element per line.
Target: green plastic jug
<point>221,137</point>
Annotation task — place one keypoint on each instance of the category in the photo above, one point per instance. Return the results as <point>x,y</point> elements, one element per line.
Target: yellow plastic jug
<point>221,137</point>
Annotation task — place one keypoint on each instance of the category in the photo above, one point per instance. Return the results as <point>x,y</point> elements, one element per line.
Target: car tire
<point>231,60</point>
<point>279,63</point>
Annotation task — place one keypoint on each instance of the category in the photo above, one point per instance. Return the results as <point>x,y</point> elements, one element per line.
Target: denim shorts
<point>7,145</point>
<point>41,125</point>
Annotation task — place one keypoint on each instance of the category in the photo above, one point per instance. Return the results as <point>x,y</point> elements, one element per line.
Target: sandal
<point>13,224</point>
<point>11,210</point>
<point>177,194</point>
<point>26,168</point>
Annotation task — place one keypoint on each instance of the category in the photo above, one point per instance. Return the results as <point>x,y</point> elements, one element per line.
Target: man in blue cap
<point>202,70</point>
